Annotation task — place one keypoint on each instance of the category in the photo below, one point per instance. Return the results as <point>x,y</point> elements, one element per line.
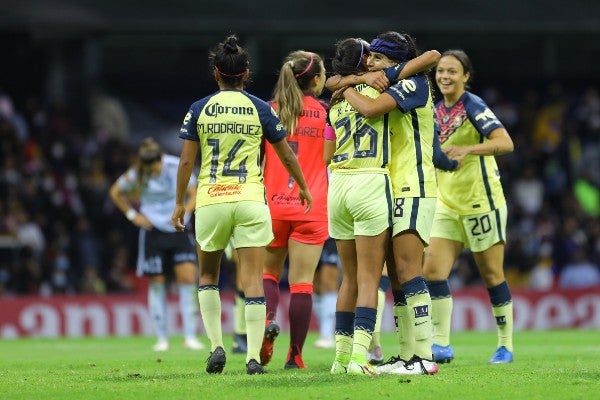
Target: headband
<point>230,75</point>
<point>391,50</point>
<point>312,58</point>
<point>150,158</point>
<point>362,52</point>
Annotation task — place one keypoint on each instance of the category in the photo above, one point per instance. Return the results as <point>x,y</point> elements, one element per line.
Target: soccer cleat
<point>501,356</point>
<point>355,368</point>
<point>338,368</point>
<point>253,367</point>
<point>192,343</point>
<point>266,350</point>
<point>216,361</point>
<point>325,343</point>
<point>294,359</point>
<point>417,366</point>
<point>161,345</point>
<point>391,364</point>
<point>240,343</point>
<point>375,356</point>
<point>442,354</point>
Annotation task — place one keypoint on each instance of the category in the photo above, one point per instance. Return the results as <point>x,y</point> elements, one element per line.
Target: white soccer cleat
<point>417,366</point>
<point>355,368</point>
<point>192,343</point>
<point>161,345</point>
<point>325,343</point>
<point>375,356</point>
<point>393,363</point>
<point>338,368</point>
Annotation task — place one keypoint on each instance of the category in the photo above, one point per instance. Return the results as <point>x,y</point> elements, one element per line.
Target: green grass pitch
<point>548,365</point>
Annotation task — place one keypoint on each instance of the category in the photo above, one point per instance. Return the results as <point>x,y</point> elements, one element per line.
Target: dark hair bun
<point>231,44</point>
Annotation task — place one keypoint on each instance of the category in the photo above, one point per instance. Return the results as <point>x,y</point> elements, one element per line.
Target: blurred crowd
<point>61,234</point>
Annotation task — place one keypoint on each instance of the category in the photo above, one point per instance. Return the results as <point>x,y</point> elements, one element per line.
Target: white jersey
<point>157,197</point>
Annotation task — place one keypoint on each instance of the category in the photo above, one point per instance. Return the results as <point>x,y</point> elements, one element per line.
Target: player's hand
<point>141,221</point>
<point>338,95</point>
<point>178,217</point>
<point>377,79</point>
<point>305,199</point>
<point>456,152</point>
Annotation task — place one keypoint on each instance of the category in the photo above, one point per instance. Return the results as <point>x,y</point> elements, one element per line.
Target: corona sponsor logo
<point>216,109</point>
<point>310,113</point>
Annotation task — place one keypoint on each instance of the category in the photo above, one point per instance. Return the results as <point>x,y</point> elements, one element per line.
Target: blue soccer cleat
<point>442,354</point>
<point>501,356</point>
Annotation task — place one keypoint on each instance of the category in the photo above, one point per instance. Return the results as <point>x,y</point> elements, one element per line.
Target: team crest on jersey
<point>450,120</point>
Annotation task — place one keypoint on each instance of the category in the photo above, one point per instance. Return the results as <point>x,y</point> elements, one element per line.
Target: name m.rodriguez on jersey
<point>214,110</point>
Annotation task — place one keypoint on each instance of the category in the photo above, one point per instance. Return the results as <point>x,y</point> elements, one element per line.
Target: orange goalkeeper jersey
<point>307,142</point>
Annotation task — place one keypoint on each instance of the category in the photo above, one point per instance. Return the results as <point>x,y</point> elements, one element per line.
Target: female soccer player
<point>410,118</point>
<point>227,127</point>
<point>359,206</point>
<point>298,236</point>
<point>162,250</point>
<point>471,209</point>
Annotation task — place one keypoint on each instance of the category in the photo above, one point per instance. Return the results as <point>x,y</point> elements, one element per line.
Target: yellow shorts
<point>358,204</point>
<point>414,214</point>
<point>245,223</point>
<point>477,232</point>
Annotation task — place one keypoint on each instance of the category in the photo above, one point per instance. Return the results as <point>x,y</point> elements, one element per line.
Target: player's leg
<point>239,345</point>
<point>490,263</point>
<point>439,258</point>
<point>345,306</point>
<point>252,262</point>
<point>303,260</point>
<point>328,283</point>
<point>375,353</point>
<point>404,329</point>
<point>370,252</point>
<point>213,230</point>
<point>272,271</point>
<point>240,340</point>
<point>413,218</point>
<point>251,234</point>
<point>486,237</point>
<point>408,255</point>
<point>185,276</point>
<point>447,238</point>
<point>185,267</point>
<point>157,305</point>
<point>150,264</point>
<point>210,307</point>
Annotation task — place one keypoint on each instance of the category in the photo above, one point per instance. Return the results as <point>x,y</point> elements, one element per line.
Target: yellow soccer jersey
<point>362,144</point>
<point>229,125</point>
<point>411,164</point>
<point>475,187</point>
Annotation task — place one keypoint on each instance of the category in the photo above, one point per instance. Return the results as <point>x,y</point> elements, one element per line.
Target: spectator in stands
<point>580,272</point>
